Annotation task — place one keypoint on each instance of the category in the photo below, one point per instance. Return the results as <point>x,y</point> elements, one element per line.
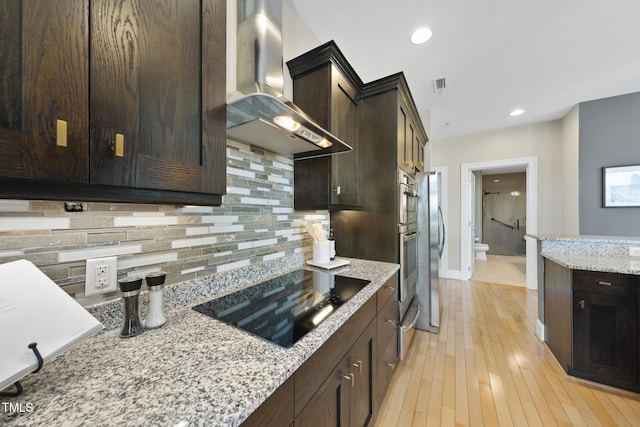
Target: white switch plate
<point>634,251</point>
<point>101,275</point>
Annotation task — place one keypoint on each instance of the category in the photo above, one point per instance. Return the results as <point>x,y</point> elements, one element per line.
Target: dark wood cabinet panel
<point>10,66</point>
<point>276,411</point>
<point>77,76</point>
<point>327,89</point>
<point>44,81</point>
<point>558,311</point>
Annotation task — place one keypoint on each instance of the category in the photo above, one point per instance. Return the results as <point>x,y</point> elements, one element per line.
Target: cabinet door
<point>605,337</point>
<point>403,125</point>
<point>419,155</point>
<point>329,406</point>
<point>44,90</point>
<point>345,180</point>
<point>362,359</point>
<point>157,110</point>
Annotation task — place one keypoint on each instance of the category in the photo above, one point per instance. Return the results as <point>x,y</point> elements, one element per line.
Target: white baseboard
<point>453,274</point>
<point>540,330</point>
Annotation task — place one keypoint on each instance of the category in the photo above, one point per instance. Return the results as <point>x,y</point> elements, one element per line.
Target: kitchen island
<point>590,306</point>
<point>192,371</point>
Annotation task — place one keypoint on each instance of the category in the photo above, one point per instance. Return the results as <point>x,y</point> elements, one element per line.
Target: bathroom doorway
<point>527,165</point>
<point>504,213</point>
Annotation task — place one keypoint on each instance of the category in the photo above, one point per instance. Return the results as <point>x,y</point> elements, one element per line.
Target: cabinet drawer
<point>388,290</point>
<point>388,319</point>
<point>608,283</point>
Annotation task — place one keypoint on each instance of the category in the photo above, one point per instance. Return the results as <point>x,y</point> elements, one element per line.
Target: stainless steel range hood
<point>263,117</point>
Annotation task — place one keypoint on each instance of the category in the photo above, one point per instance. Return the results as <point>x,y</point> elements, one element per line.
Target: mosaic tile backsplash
<point>255,223</point>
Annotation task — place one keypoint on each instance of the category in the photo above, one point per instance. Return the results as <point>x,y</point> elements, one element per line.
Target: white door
<point>472,223</point>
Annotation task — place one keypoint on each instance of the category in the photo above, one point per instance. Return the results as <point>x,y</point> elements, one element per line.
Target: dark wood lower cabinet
<point>592,324</point>
<point>338,384</point>
<point>605,328</point>
<point>329,406</point>
<point>388,319</point>
<point>347,397</point>
<point>276,411</point>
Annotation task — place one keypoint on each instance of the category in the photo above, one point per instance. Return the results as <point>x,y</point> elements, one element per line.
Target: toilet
<point>481,249</point>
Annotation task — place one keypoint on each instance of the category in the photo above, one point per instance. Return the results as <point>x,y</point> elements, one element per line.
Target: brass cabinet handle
<point>603,283</point>
<point>358,365</point>
<point>349,377</point>
<point>61,133</point>
<point>118,146</point>
<point>337,190</point>
<point>581,303</point>
<point>390,365</point>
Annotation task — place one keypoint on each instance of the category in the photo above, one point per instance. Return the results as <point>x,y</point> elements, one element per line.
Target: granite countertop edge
<point>606,264</point>
<point>193,371</point>
<point>586,238</point>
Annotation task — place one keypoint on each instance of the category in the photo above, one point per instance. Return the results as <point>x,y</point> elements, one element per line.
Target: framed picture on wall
<point>621,186</point>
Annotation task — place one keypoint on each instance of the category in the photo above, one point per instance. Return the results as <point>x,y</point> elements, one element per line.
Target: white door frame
<point>531,165</point>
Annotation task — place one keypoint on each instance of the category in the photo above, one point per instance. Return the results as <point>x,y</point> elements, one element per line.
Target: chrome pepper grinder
<point>155,282</point>
<point>130,287</point>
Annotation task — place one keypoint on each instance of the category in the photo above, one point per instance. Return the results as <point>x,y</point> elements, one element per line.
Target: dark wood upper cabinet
<point>141,87</point>
<point>411,134</point>
<point>327,89</point>
<point>44,99</point>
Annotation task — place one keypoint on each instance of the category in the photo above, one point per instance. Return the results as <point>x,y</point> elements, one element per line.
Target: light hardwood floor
<point>486,367</point>
<point>502,269</point>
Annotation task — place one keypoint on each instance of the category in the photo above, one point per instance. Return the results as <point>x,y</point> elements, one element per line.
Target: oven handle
<point>407,237</point>
<point>410,194</point>
<point>407,328</point>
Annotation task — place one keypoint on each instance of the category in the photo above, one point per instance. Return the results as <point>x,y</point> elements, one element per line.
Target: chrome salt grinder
<point>130,287</point>
<point>155,283</point>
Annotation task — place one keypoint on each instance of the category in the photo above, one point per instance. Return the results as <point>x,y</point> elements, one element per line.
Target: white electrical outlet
<point>634,251</point>
<point>101,275</point>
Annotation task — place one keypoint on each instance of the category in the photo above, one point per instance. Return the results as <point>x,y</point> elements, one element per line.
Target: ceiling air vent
<point>439,85</point>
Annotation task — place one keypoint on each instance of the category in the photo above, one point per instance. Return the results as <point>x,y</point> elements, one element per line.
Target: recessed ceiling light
<point>421,35</point>
<point>516,112</point>
<point>496,180</point>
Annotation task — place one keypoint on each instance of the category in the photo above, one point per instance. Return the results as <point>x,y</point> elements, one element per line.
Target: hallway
<point>486,367</point>
<point>501,269</point>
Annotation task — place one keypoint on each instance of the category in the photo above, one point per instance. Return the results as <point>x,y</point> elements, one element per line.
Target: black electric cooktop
<point>284,309</point>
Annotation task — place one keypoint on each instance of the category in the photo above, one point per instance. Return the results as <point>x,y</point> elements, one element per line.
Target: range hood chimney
<point>263,117</point>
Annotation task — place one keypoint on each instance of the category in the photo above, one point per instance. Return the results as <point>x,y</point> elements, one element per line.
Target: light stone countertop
<point>610,264</point>
<point>193,371</point>
<point>592,253</point>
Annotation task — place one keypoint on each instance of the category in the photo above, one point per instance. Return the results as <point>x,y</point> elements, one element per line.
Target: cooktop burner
<point>284,309</point>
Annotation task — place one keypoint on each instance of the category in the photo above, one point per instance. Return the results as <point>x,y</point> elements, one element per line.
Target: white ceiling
<point>543,56</point>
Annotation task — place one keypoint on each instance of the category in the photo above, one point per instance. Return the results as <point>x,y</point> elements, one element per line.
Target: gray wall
<point>609,132</point>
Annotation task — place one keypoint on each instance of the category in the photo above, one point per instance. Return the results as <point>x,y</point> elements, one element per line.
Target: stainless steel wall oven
<point>408,243</point>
